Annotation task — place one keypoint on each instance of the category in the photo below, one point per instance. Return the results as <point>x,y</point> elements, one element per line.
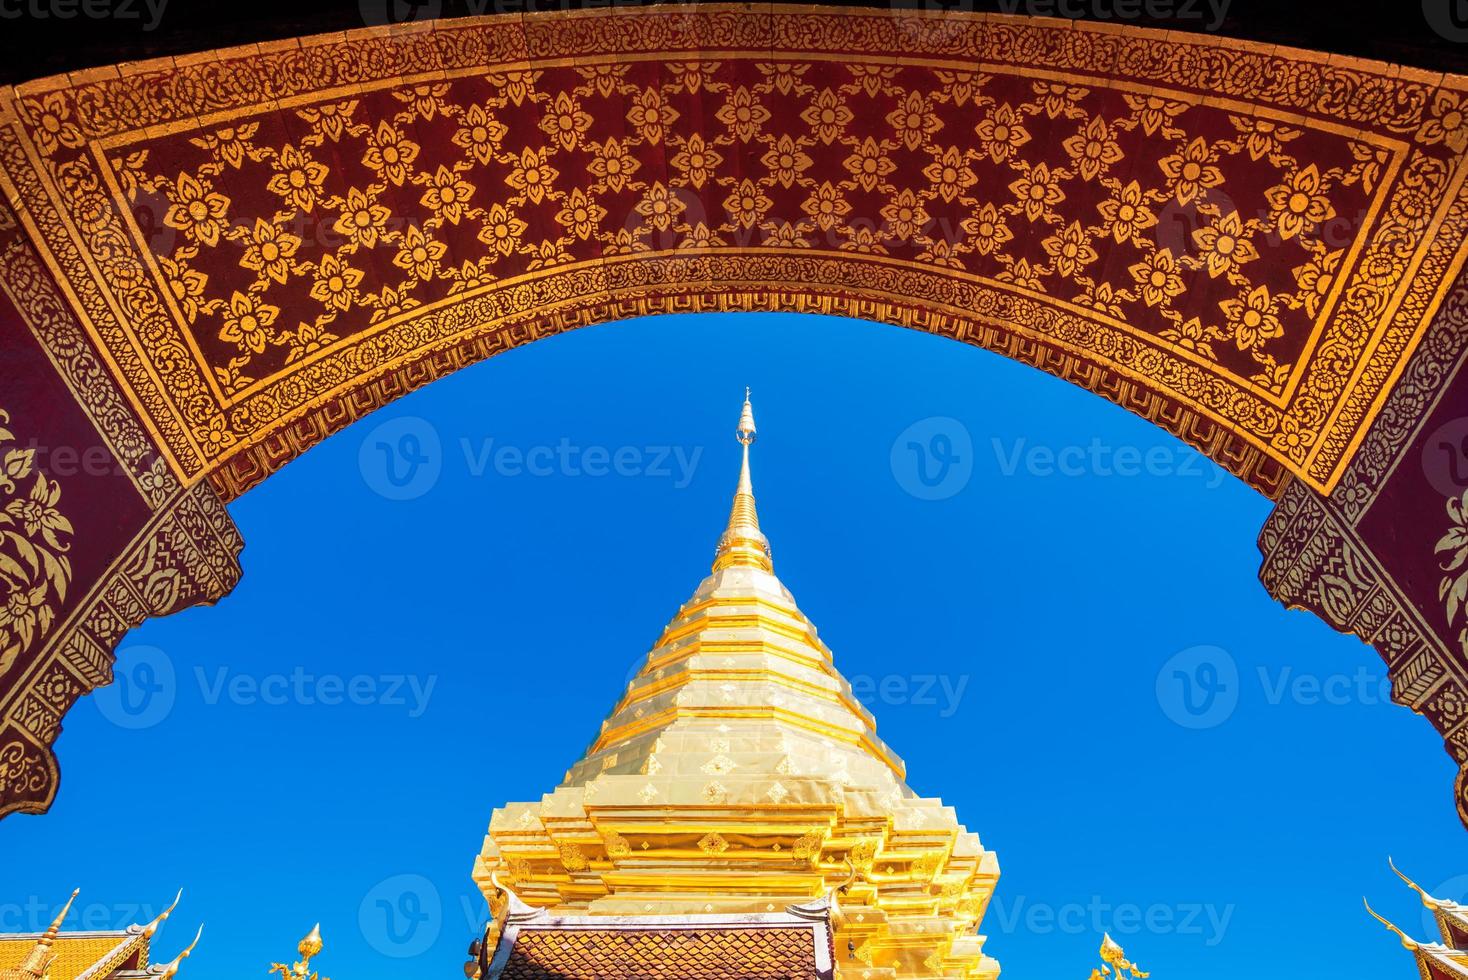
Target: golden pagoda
<point>120,954</point>
<point>736,816</point>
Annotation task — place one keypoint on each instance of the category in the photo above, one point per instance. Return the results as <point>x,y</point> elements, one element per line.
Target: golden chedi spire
<point>737,775</point>
<point>743,543</point>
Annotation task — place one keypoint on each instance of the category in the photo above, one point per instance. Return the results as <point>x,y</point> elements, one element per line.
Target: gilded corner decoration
<point>222,258</point>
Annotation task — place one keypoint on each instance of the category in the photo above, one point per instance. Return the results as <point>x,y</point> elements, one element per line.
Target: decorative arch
<point>211,262</point>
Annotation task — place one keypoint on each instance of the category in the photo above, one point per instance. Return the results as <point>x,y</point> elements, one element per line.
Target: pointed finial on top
<point>39,958</point>
<point>743,544</point>
<point>745,433</point>
<point>1427,900</point>
<point>311,944</point>
<point>1407,941</point>
<point>171,968</point>
<point>152,927</point>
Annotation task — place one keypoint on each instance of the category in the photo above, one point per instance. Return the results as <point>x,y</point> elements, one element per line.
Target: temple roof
<point>85,955</point>
<point>739,775</point>
<point>525,943</point>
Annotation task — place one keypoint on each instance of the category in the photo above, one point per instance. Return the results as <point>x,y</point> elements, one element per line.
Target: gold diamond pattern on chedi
<point>1257,236</point>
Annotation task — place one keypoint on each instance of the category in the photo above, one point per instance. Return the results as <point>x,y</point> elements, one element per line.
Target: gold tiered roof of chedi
<point>738,775</point>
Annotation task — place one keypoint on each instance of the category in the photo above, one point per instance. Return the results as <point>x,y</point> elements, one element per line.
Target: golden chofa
<point>737,793</point>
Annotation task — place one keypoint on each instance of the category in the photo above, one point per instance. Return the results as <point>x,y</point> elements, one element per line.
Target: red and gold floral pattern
<point>1253,235</point>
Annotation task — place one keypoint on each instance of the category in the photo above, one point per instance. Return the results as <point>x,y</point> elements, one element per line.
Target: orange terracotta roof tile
<point>763,952</point>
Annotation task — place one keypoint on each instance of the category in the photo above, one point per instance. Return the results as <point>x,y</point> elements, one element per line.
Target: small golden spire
<point>38,961</point>
<point>308,947</point>
<point>168,971</point>
<point>152,928</point>
<point>743,544</point>
<point>1407,941</point>
<point>1435,904</point>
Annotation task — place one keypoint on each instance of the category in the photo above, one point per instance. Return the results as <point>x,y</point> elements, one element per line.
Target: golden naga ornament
<point>1114,963</point>
<point>301,969</point>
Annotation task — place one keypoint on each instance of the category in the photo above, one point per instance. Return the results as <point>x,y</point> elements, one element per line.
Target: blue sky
<point>1051,606</point>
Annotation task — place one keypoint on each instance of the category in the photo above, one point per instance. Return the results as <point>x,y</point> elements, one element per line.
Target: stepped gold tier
<point>739,776</point>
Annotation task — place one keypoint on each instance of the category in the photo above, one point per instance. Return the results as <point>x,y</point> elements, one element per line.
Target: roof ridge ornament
<point>1407,941</point>
<point>1436,904</point>
<point>166,971</point>
<point>743,544</point>
<point>38,961</point>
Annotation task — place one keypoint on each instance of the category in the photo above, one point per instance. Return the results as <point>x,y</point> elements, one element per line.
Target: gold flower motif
<point>697,161</point>
<point>1002,132</point>
<point>1299,203</point>
<point>336,283</point>
<point>1253,317</point>
<point>614,166</point>
<point>50,118</point>
<point>1315,278</point>
<point>502,229</point>
<point>1125,214</point>
<point>390,154</point>
<point>247,321</point>
<point>1037,191</point>
<point>904,215</point>
<point>1094,149</point>
<point>786,160</point>
<point>531,175</point>
<point>1070,249</point>
<point>913,120</point>
<point>950,174</point>
<point>1447,122</point>
<point>988,230</point>
<point>565,121</point>
<point>196,209</point>
<point>362,220</point>
<point>743,114</point>
<point>480,133</point>
<point>1193,170</point>
<point>661,206</point>
<point>185,284</point>
<point>579,214</point>
<point>1158,277</point>
<point>746,203</point>
<point>447,195</point>
<point>828,116</point>
<point>269,251</point>
<point>869,164</point>
<point>650,115</point>
<point>298,178</point>
<point>1224,245</point>
<point>418,255</point>
<point>826,206</point>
